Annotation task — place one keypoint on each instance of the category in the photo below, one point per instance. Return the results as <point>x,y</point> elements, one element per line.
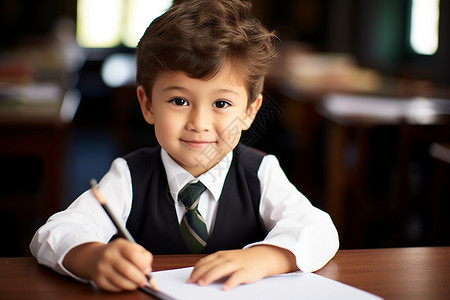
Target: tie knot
<point>190,194</point>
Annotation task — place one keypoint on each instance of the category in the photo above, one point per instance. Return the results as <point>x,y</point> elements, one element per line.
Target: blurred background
<point>356,109</point>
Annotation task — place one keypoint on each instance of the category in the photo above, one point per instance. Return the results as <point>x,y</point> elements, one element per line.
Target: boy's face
<point>198,121</point>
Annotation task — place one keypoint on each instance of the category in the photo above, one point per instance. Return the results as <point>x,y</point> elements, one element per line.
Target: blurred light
<point>381,109</point>
<point>70,104</point>
<point>440,152</point>
<point>140,14</point>
<point>118,70</point>
<point>421,111</point>
<point>424,37</point>
<point>99,23</point>
<point>108,23</point>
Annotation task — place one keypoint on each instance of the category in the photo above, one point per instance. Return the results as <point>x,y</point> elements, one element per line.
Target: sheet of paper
<point>297,285</point>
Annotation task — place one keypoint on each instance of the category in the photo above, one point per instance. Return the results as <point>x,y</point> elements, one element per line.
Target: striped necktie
<point>193,225</point>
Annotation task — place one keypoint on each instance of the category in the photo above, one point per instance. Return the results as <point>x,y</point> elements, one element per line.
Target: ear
<point>251,112</point>
<point>146,105</point>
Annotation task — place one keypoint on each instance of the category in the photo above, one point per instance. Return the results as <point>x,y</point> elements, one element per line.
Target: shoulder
<point>141,159</point>
<point>143,153</point>
<point>248,157</point>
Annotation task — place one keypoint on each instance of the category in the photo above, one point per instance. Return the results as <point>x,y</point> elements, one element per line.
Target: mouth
<point>197,144</point>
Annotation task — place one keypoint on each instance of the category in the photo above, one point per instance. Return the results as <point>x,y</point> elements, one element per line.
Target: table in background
<point>397,273</point>
<point>350,151</point>
<point>376,192</point>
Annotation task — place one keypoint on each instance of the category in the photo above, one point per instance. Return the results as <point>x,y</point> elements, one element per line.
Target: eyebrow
<point>174,88</point>
<point>228,91</point>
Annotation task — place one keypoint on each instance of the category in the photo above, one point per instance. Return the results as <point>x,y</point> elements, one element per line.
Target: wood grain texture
<point>399,273</point>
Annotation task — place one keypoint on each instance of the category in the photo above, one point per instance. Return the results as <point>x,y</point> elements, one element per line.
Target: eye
<point>179,101</point>
<point>221,104</point>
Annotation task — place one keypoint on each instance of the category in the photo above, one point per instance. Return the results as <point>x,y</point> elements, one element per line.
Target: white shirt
<point>289,219</point>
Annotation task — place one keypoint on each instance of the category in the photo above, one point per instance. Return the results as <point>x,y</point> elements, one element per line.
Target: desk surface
<point>401,273</point>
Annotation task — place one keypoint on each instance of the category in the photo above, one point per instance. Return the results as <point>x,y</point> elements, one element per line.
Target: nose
<point>199,120</point>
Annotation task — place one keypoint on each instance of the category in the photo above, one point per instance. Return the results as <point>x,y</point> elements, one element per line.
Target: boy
<point>200,73</point>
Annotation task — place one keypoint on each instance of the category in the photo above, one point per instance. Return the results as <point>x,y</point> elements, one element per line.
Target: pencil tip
<point>153,284</point>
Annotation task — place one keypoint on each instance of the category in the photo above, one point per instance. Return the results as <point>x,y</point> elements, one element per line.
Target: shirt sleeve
<point>84,220</point>
<point>292,222</point>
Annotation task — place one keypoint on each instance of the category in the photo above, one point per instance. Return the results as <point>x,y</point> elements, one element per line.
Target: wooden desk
<point>400,273</point>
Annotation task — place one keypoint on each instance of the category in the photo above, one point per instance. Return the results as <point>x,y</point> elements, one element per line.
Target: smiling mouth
<point>197,144</point>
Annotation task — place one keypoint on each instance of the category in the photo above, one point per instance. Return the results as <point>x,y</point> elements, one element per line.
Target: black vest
<point>153,220</point>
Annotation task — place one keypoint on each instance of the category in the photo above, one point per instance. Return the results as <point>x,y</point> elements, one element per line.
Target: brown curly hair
<point>199,36</point>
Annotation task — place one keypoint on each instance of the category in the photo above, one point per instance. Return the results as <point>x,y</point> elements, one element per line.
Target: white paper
<point>296,285</point>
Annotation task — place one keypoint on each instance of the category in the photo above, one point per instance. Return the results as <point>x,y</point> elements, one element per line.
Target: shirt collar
<point>213,179</point>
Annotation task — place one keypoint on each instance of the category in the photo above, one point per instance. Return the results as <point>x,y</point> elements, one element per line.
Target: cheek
<point>166,126</point>
<point>230,131</point>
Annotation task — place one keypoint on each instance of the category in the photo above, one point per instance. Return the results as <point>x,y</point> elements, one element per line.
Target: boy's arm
<point>119,265</point>
<point>84,220</point>
<point>292,222</point>
<point>300,236</point>
<point>243,266</point>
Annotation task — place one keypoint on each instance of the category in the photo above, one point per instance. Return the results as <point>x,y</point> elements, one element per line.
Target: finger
<point>215,271</point>
<point>202,267</point>
<point>129,273</point>
<point>106,285</point>
<point>121,283</point>
<point>213,259</point>
<point>234,280</point>
<point>211,262</point>
<point>109,279</point>
<point>139,256</point>
<point>241,276</point>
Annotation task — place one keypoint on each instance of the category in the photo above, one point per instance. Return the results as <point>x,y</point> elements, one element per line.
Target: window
<point>110,23</point>
<point>424,35</point>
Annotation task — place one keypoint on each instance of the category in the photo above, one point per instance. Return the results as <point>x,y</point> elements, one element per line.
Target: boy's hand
<point>243,266</point>
<point>119,265</point>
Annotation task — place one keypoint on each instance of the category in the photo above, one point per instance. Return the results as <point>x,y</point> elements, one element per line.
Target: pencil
<point>120,227</point>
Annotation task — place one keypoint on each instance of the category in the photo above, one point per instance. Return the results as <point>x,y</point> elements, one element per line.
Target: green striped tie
<point>193,225</point>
